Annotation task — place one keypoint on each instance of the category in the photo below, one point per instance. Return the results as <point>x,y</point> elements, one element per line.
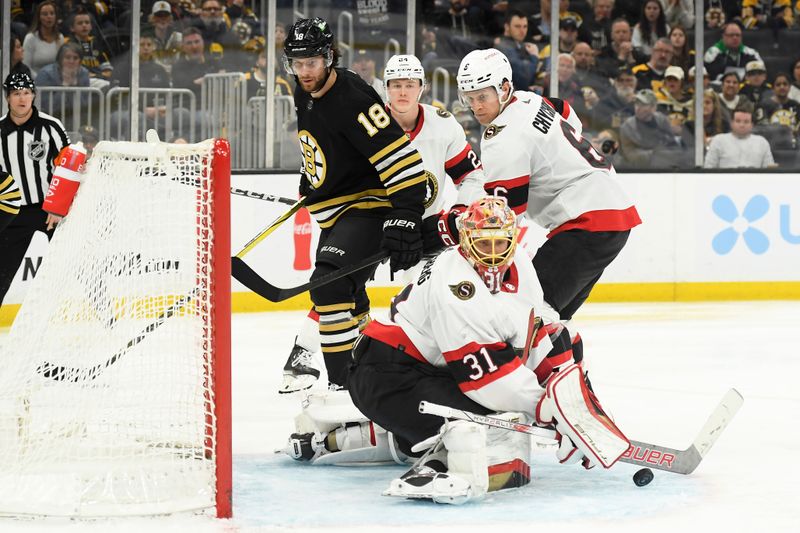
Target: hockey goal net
<point>115,381</point>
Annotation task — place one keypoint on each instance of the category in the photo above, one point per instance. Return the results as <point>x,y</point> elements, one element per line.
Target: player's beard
<point>316,85</point>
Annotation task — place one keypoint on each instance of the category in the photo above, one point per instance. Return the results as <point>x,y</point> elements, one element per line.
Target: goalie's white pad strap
<point>325,411</point>
<point>585,424</point>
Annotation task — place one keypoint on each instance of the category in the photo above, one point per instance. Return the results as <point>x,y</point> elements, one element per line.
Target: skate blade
<point>292,383</point>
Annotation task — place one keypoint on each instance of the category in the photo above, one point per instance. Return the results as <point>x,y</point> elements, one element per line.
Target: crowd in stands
<point>627,67</point>
<point>85,43</point>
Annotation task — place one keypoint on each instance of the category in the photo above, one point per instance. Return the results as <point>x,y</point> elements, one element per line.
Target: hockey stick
<point>271,227</point>
<point>248,277</point>
<point>640,453</point>
<point>74,374</point>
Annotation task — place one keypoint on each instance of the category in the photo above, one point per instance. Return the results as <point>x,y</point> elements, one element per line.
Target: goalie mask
<point>488,237</point>
<point>308,38</point>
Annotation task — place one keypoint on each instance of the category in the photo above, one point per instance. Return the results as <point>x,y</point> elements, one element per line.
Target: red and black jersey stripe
<point>476,365</point>
<point>462,164</point>
<point>515,190</point>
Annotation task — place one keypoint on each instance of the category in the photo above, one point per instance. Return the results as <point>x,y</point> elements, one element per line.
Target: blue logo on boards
<point>754,239</point>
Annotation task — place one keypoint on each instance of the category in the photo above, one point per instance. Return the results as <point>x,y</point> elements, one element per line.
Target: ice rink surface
<point>658,368</point>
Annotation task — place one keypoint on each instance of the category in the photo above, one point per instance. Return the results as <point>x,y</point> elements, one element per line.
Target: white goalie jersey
<point>449,319</point>
<point>538,159</point>
<point>441,142</point>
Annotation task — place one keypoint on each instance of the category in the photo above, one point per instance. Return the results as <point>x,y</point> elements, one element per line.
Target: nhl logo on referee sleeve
<point>463,290</point>
<point>36,150</point>
<point>491,131</point>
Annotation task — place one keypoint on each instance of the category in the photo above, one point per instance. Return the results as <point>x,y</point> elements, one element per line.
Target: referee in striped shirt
<point>29,143</point>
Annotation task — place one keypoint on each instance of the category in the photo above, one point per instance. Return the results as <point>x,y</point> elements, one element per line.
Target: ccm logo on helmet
<point>399,223</point>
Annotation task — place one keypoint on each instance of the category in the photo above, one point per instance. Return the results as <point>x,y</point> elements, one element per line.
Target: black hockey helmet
<point>18,80</point>
<point>308,38</point>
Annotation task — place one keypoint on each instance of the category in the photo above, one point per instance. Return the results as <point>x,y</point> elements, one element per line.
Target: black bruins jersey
<point>786,114</point>
<point>355,156</point>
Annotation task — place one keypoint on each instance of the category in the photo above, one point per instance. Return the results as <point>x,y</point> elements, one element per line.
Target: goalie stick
<point>248,277</point>
<point>75,374</point>
<point>640,453</point>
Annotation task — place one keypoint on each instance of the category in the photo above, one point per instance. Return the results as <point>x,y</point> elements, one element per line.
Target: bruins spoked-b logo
<point>491,131</point>
<point>314,166</point>
<point>463,290</point>
<point>36,150</point>
<point>431,189</point>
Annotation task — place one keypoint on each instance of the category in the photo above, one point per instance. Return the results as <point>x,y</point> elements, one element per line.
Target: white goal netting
<point>108,388</point>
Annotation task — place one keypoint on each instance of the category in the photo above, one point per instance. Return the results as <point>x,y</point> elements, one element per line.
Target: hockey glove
<point>440,230</point>
<point>402,238</point>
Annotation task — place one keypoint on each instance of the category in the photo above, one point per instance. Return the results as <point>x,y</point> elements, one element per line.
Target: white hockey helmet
<point>484,68</point>
<point>403,67</point>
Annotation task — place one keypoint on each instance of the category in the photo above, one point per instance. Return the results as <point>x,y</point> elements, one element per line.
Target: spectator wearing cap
<point>756,87</point>
<point>729,53</point>
<point>89,137</point>
<point>567,39</point>
<point>647,139</point>
<point>740,148</point>
<point>779,110</point>
<point>620,52</point>
<point>522,55</point>
<point>42,43</point>
<point>161,25</point>
<point>539,31</point>
<point>256,79</point>
<point>690,80</point>
<point>673,100</point>
<point>364,65</point>
<point>597,28</point>
<point>651,27</point>
<point>650,75</point>
<point>30,141</point>
<point>617,106</point>
<point>729,95</point>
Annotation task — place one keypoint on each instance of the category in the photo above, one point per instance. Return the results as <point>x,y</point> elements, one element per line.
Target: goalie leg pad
<point>580,419</point>
<point>509,455</point>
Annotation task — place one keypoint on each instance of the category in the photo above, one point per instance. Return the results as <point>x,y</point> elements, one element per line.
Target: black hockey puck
<point>643,477</point>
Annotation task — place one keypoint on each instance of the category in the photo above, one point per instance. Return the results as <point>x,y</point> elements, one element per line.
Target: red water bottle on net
<point>66,179</point>
<point>302,240</point>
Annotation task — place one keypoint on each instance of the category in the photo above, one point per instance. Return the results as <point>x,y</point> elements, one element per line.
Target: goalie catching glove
<point>402,238</point>
<point>586,434</point>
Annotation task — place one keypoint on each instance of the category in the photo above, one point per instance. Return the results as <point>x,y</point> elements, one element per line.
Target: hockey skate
<point>431,481</point>
<point>299,372</point>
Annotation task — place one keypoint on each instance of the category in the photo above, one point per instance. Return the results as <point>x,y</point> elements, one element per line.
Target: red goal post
<point>115,399</point>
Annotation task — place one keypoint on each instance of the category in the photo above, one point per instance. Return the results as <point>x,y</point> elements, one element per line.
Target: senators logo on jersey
<point>431,188</point>
<point>314,165</point>
<point>491,131</point>
<point>463,290</point>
